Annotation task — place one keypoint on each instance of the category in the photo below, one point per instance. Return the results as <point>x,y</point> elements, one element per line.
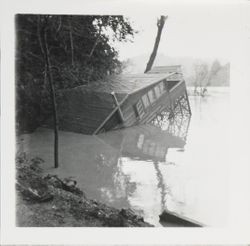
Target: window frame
<point>137,106</point>
<point>162,87</point>
<point>154,96</point>
<point>148,102</point>
<point>157,90</point>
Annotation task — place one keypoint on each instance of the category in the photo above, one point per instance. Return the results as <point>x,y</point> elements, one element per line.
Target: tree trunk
<point>160,25</point>
<point>71,42</point>
<point>96,42</point>
<point>42,36</point>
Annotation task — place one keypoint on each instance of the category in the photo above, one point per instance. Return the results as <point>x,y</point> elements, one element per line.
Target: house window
<point>157,91</point>
<point>139,109</point>
<point>162,87</point>
<point>145,101</point>
<point>151,96</point>
<point>140,141</point>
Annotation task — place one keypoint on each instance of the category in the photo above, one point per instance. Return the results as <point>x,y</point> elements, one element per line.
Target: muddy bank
<point>51,201</point>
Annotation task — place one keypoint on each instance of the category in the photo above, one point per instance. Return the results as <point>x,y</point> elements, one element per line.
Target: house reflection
<point>104,164</point>
<point>143,142</point>
<point>150,144</point>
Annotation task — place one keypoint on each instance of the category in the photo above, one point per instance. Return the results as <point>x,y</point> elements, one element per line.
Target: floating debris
<point>178,220</point>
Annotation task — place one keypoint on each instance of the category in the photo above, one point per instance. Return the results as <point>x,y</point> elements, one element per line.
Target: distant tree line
<point>79,50</point>
<point>204,75</point>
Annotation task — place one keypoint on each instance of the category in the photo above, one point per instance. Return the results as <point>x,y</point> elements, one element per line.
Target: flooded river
<point>183,168</point>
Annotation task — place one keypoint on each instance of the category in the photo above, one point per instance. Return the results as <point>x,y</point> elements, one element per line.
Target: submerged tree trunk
<point>42,36</point>
<point>53,99</point>
<point>160,25</point>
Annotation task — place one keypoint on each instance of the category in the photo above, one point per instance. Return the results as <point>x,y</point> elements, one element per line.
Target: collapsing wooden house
<point>121,101</point>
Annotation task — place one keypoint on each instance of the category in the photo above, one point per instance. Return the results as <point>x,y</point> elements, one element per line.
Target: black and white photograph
<point>126,115</point>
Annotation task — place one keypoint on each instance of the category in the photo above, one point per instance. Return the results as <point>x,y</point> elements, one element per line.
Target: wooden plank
<point>177,85</point>
<point>129,116</point>
<point>110,115</point>
<point>118,105</point>
<point>140,109</point>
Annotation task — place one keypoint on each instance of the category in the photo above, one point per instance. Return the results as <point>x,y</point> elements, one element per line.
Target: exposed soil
<point>48,201</point>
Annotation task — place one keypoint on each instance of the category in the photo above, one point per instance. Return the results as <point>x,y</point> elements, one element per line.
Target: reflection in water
<point>150,167</point>
<point>142,142</point>
<point>164,190</point>
<point>177,126</point>
<point>148,143</point>
<point>175,119</point>
<point>99,163</point>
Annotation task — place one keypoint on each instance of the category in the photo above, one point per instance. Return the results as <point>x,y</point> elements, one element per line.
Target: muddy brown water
<point>183,168</point>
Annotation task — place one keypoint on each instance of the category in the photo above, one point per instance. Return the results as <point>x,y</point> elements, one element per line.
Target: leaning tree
<point>160,25</point>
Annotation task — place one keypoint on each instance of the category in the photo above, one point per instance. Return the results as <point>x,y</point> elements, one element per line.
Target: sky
<point>193,30</point>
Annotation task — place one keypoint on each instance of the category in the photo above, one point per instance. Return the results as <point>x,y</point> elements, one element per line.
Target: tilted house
<point>118,101</point>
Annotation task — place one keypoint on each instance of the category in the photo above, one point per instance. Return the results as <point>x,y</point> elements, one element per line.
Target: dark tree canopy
<point>80,51</point>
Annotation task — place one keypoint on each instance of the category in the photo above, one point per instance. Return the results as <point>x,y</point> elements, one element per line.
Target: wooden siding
<point>112,123</point>
<point>171,84</point>
<point>166,100</point>
<point>83,111</point>
<point>177,91</point>
<point>128,108</point>
<point>130,116</point>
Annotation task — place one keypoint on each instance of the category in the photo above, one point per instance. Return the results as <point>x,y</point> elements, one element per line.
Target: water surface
<point>183,168</point>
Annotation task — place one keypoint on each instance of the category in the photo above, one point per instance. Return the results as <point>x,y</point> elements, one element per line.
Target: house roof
<point>124,83</point>
<point>84,108</point>
<point>165,69</point>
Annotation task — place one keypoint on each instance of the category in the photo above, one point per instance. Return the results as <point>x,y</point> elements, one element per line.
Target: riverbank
<point>49,201</point>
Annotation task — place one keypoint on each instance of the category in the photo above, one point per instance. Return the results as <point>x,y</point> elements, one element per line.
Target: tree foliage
<point>80,51</point>
<point>215,68</point>
<point>204,75</point>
